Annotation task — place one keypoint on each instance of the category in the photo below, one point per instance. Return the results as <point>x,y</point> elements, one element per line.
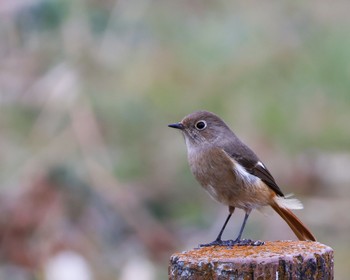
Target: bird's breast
<point>214,171</point>
<point>225,180</point>
<point>210,164</point>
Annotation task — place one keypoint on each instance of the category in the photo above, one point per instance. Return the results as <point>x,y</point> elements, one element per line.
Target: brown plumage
<point>233,174</point>
<point>299,229</point>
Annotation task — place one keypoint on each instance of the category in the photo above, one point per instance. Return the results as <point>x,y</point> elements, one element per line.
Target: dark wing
<point>253,165</point>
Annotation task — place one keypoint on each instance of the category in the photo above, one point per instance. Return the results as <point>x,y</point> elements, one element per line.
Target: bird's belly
<point>246,196</point>
<point>219,176</point>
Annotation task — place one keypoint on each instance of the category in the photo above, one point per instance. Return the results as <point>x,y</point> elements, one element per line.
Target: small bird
<point>233,174</point>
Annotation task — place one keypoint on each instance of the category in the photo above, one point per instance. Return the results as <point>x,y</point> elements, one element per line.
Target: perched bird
<point>233,174</point>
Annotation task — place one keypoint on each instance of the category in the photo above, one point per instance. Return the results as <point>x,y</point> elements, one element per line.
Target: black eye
<point>200,125</point>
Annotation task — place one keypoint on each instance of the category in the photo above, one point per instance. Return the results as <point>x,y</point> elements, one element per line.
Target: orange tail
<point>300,230</point>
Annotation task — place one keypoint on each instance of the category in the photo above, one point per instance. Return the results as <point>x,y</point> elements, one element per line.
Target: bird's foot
<point>237,242</point>
<point>217,242</point>
<point>248,242</point>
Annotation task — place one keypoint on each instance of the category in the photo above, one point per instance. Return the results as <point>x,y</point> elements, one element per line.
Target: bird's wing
<point>254,166</point>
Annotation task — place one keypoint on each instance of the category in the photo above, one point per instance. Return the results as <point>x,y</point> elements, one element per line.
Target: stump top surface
<point>270,250</point>
<point>273,260</point>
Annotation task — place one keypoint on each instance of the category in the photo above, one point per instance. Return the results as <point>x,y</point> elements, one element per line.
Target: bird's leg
<point>238,241</point>
<point>242,242</point>
<point>218,240</point>
<point>243,226</point>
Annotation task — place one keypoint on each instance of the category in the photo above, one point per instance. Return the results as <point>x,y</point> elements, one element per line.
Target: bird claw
<point>249,242</point>
<point>214,243</point>
<point>257,243</point>
<point>230,243</point>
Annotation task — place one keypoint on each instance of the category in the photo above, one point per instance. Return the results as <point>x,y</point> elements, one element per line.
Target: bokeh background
<point>93,185</point>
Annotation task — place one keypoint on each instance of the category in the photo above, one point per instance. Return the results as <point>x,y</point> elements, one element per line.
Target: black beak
<point>176,125</point>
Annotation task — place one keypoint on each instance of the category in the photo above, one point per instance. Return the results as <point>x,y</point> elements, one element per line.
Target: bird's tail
<point>282,206</point>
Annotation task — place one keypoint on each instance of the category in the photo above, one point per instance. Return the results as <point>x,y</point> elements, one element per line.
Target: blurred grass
<point>277,72</point>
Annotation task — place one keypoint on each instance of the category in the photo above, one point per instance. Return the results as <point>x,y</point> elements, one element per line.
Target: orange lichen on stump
<point>274,260</point>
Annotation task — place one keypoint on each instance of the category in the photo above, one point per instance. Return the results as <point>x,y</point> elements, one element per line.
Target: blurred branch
<point>87,132</point>
<point>113,48</point>
<point>53,99</point>
<point>56,149</point>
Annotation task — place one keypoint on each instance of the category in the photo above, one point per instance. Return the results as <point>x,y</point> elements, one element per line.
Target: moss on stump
<point>274,260</point>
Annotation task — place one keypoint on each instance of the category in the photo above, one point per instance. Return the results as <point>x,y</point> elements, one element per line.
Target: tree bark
<point>274,260</point>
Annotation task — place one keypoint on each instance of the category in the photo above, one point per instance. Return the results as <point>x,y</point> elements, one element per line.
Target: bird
<point>233,175</point>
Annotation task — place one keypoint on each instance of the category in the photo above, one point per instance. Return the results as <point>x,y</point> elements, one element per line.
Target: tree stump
<point>274,260</point>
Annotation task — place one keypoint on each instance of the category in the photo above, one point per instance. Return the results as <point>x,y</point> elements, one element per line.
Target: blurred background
<point>93,185</point>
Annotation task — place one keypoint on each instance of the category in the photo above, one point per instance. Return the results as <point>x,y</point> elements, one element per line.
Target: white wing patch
<point>212,192</point>
<point>244,174</point>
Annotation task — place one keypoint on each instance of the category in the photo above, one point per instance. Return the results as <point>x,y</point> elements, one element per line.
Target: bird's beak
<point>176,125</point>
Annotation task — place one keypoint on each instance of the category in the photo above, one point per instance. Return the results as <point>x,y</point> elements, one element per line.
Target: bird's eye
<point>200,125</point>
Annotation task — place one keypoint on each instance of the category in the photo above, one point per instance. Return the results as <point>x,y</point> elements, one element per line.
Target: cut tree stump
<point>274,260</point>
